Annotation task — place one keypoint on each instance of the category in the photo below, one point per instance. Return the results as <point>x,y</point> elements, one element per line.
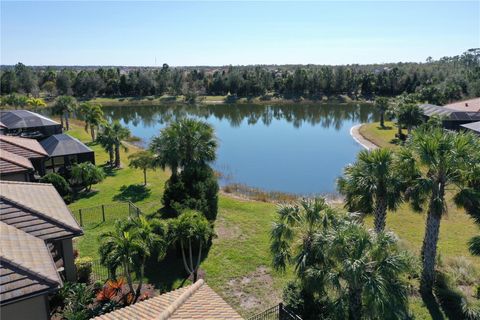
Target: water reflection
<point>297,148</point>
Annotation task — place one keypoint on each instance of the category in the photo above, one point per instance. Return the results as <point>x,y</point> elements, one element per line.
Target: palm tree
<point>183,143</point>
<point>338,262</point>
<point>64,105</point>
<point>142,160</point>
<point>372,185</point>
<point>446,159</point>
<point>119,133</point>
<point>382,106</point>
<point>106,140</point>
<point>192,231</point>
<point>93,117</point>
<point>410,115</point>
<point>36,103</point>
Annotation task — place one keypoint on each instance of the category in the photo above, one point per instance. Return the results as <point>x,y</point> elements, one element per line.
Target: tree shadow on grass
<point>109,170</point>
<point>385,128</point>
<point>85,194</point>
<point>133,193</point>
<point>432,306</point>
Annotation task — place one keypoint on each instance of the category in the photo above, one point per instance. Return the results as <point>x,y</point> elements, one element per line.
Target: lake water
<point>297,149</point>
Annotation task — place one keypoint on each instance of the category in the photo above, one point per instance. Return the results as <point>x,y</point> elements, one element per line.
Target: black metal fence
<point>278,312</point>
<point>101,273</point>
<point>105,213</point>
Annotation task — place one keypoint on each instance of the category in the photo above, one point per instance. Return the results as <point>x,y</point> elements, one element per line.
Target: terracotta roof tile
<point>29,148</point>
<point>40,199</point>
<point>197,301</point>
<point>10,162</point>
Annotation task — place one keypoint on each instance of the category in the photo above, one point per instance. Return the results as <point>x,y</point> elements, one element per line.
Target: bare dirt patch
<point>226,230</point>
<point>253,292</point>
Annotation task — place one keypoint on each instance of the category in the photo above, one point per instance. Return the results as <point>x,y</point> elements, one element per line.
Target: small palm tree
<point>106,140</point>
<point>36,103</point>
<point>447,159</point>
<point>192,231</point>
<point>410,116</point>
<point>382,106</point>
<point>64,106</point>
<point>142,160</point>
<point>372,185</point>
<point>93,117</point>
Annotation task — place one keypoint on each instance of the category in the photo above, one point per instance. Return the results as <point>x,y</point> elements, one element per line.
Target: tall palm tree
<point>187,142</point>
<point>93,117</point>
<point>105,138</point>
<point>64,106</point>
<point>119,133</point>
<point>192,231</point>
<point>372,185</point>
<point>447,159</point>
<point>382,106</point>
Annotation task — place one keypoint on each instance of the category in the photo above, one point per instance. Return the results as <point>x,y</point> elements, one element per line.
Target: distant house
<point>11,148</point>
<point>27,124</point>
<point>64,151</point>
<point>454,115</point>
<point>36,251</point>
<point>197,301</point>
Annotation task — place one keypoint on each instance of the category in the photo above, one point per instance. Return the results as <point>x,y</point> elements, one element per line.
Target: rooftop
<point>474,126</point>
<point>63,145</point>
<point>471,105</point>
<point>26,265</point>
<point>11,163</point>
<point>28,148</point>
<point>17,119</point>
<point>452,114</point>
<point>197,301</point>
<point>37,209</point>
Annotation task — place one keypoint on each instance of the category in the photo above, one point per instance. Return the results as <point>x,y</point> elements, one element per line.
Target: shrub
<point>86,174</point>
<point>462,270</point>
<point>84,269</point>
<point>59,182</point>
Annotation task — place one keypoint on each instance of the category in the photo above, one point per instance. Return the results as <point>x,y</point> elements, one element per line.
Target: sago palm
<point>372,185</point>
<point>447,160</point>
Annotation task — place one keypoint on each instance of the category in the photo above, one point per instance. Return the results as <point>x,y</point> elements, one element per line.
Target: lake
<point>298,148</point>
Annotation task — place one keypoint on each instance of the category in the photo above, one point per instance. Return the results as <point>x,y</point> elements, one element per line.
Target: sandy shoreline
<point>355,133</point>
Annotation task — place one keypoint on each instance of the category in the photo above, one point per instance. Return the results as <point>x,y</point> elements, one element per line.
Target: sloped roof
<point>197,301</point>
<point>63,145</point>
<point>26,265</point>
<point>16,119</point>
<point>28,148</point>
<point>470,105</point>
<point>11,163</point>
<point>36,207</point>
<point>433,110</point>
<point>474,126</point>
<point>451,114</point>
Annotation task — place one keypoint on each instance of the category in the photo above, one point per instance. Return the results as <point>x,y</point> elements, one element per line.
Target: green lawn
<point>238,263</point>
<point>378,135</point>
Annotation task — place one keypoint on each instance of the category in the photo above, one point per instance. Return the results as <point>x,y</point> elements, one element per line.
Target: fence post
<point>81,219</point>
<point>103,212</point>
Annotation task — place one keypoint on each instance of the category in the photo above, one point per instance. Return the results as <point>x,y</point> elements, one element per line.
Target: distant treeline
<point>435,81</point>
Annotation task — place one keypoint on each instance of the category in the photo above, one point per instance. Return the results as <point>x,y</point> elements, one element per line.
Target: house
<point>63,151</point>
<point>197,301</point>
<point>454,115</point>
<point>28,124</point>
<point>12,149</point>
<point>474,127</point>
<point>36,249</point>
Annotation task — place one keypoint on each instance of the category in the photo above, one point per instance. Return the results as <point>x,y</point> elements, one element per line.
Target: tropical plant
<point>93,117</point>
<point>129,245</point>
<point>64,106</point>
<point>446,159</point>
<point>187,147</point>
<point>142,160</point>
<point>106,140</point>
<point>382,105</point>
<point>77,298</point>
<point>119,134</point>
<point>192,231</point>
<point>86,174</point>
<point>58,182</point>
<point>343,270</point>
<point>373,184</point>
<point>410,116</point>
<point>36,103</point>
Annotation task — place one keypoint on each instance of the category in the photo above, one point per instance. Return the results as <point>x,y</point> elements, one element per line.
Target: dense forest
<point>435,81</point>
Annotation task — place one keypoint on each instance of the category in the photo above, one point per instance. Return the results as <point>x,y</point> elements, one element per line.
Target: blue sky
<point>221,33</point>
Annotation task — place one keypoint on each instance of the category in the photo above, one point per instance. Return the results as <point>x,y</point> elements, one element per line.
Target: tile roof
<point>471,105</point>
<point>12,163</point>
<point>28,148</point>
<point>36,208</point>
<point>16,119</point>
<point>63,145</point>
<point>451,114</point>
<point>26,265</point>
<point>197,301</point>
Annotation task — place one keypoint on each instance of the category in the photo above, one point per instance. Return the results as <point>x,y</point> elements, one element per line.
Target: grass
<point>384,137</point>
<point>238,263</point>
